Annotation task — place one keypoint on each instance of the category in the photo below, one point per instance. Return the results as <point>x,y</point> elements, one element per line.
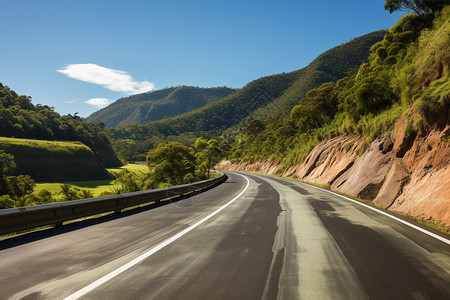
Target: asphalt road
<point>252,237</point>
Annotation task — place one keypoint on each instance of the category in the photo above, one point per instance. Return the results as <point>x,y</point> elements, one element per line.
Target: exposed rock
<point>427,153</point>
<point>393,185</point>
<point>427,197</point>
<point>402,138</point>
<point>367,175</point>
<point>224,165</point>
<point>257,167</point>
<point>327,161</point>
<point>410,177</point>
<point>386,146</point>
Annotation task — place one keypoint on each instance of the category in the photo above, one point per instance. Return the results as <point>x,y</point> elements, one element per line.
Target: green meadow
<point>21,145</point>
<point>97,187</point>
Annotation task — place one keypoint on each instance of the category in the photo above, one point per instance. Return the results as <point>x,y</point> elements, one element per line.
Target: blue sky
<point>79,55</point>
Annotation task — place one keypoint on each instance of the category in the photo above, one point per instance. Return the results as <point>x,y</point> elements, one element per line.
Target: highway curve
<point>252,237</point>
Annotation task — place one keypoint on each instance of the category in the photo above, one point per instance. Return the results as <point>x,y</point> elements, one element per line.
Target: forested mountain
<point>406,77</point>
<point>327,67</point>
<point>283,90</point>
<point>156,105</point>
<point>19,118</point>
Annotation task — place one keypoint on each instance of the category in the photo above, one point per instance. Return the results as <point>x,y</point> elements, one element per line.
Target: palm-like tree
<point>67,192</point>
<point>84,194</point>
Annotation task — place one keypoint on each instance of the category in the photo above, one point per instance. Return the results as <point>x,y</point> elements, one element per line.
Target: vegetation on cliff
<point>407,76</point>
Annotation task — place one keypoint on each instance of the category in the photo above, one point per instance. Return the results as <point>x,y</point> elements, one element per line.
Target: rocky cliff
<point>409,174</point>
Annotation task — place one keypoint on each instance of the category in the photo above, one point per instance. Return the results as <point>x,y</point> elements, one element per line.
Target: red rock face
<point>264,167</point>
<point>416,183</point>
<point>328,160</point>
<point>393,185</point>
<point>427,195</point>
<point>368,173</point>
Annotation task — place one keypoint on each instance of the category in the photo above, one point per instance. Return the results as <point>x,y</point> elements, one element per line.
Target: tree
<point>19,186</point>
<point>44,196</point>
<point>67,192</point>
<point>6,202</point>
<point>129,182</point>
<point>13,186</point>
<point>255,127</point>
<point>84,194</point>
<point>171,162</point>
<point>419,7</point>
<point>7,164</point>
<point>210,153</point>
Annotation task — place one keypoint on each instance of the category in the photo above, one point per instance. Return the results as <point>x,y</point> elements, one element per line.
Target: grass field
<point>61,146</point>
<point>134,168</point>
<point>95,186</point>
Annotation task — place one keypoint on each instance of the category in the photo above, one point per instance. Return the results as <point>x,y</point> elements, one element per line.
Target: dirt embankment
<point>406,174</point>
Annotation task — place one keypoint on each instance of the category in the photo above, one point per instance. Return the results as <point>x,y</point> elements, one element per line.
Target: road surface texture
<point>252,237</point>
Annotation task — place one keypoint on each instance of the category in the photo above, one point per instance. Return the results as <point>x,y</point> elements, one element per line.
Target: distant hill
<point>275,94</point>
<point>156,105</point>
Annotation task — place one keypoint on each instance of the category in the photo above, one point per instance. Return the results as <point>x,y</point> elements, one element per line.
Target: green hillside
<point>156,105</point>
<point>51,160</point>
<point>283,90</point>
<point>407,76</point>
<point>20,118</point>
<point>331,65</point>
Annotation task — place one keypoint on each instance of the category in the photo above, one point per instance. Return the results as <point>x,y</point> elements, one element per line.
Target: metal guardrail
<point>22,218</point>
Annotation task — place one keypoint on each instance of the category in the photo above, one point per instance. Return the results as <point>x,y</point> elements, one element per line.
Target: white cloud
<point>98,102</point>
<point>115,80</point>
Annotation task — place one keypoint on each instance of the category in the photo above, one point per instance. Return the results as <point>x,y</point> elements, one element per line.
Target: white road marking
<point>438,237</point>
<point>150,252</point>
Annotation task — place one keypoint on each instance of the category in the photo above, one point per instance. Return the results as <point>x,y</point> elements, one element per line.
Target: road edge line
<point>431,234</point>
<point>438,237</point>
<point>90,287</point>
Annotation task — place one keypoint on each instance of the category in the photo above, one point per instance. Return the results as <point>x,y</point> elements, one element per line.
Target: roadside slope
<point>382,134</point>
<point>416,184</point>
